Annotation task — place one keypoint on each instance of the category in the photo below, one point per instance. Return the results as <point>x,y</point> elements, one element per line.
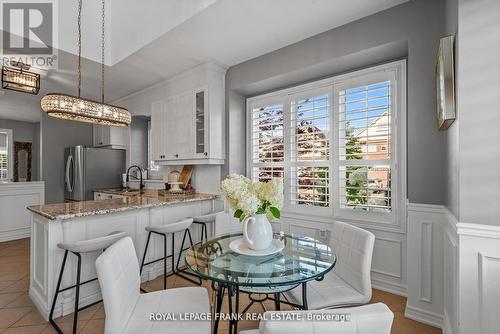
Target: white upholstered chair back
<point>353,247</point>
<point>366,319</point>
<point>118,273</point>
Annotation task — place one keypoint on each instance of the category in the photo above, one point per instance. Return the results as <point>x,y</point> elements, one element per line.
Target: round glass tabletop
<point>302,259</point>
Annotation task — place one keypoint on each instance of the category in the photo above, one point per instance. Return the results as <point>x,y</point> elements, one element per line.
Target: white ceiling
<point>153,40</point>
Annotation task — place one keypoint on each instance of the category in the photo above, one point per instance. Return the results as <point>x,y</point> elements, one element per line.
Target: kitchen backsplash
<point>206,178</point>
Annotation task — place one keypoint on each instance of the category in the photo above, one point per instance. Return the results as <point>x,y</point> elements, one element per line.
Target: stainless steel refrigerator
<point>88,168</point>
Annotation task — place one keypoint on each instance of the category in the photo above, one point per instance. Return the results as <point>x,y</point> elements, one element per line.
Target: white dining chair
<point>128,311</point>
<point>349,283</point>
<point>367,319</point>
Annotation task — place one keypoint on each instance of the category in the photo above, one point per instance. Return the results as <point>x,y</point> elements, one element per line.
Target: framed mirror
<point>22,161</point>
<point>445,83</point>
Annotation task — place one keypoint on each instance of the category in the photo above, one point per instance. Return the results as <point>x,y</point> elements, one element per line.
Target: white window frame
<point>10,153</point>
<point>396,220</point>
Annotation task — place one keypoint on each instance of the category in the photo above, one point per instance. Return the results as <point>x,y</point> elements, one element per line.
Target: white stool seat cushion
<point>208,218</point>
<point>171,228</point>
<point>92,245</point>
<point>367,319</point>
<point>174,301</point>
<point>332,291</point>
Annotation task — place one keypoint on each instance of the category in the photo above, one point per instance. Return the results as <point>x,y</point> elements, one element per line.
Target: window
<point>6,147</point>
<point>364,127</point>
<point>267,141</point>
<point>310,149</point>
<point>338,144</point>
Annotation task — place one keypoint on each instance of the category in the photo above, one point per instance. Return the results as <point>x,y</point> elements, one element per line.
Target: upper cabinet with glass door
<point>193,130</point>
<point>200,126</point>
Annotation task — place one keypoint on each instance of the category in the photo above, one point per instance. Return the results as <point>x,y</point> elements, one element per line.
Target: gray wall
<point>56,135</point>
<point>451,164</point>
<point>27,132</point>
<point>139,141</point>
<point>411,29</point>
<point>479,114</point>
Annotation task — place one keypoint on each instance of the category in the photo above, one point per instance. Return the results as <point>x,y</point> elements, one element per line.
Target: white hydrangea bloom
<point>248,203</point>
<point>251,197</point>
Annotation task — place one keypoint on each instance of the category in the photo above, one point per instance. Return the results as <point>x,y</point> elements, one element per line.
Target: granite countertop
<point>150,198</point>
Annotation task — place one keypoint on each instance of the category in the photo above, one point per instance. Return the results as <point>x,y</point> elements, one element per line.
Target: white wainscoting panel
<point>15,219</point>
<point>425,263</point>
<point>450,275</point>
<point>478,278</point>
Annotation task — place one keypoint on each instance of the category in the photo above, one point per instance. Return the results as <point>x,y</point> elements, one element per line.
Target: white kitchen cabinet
<point>110,136</point>
<point>189,128</point>
<point>158,115</point>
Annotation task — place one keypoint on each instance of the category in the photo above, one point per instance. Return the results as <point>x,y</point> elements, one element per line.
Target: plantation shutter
<point>310,140</point>
<point>365,147</point>
<point>267,143</point>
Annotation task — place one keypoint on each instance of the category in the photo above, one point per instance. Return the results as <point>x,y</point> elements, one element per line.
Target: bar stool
<point>203,220</point>
<point>163,230</point>
<point>77,248</point>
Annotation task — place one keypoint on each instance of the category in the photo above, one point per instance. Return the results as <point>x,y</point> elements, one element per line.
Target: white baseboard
<point>39,303</point>
<point>426,317</point>
<point>446,328</point>
<point>390,287</point>
<point>15,234</point>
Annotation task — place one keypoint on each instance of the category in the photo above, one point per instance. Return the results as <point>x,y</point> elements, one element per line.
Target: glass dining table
<point>302,259</point>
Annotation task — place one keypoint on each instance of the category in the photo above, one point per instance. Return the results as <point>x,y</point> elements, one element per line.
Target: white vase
<point>257,232</point>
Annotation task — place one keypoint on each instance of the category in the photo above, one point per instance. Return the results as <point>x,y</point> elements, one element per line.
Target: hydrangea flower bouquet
<point>255,204</point>
<point>249,198</point>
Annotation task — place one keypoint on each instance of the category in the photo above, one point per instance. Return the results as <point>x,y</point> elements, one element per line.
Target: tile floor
<point>19,315</point>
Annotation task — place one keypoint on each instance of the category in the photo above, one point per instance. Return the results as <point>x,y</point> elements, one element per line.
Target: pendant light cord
<point>102,54</point>
<point>79,46</point>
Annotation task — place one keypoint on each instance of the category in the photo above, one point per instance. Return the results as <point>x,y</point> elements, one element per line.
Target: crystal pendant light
<point>18,78</point>
<point>76,108</point>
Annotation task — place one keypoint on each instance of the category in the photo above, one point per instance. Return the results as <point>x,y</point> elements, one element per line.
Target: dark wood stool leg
<point>59,280</point>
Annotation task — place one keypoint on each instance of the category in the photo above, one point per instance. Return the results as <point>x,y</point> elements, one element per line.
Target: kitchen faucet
<point>141,184</point>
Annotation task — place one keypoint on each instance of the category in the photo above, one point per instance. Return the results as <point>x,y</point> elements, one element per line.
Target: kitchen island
<point>69,222</point>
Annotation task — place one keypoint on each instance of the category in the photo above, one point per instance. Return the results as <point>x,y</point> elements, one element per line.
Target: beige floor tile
<point>8,316</point>
<point>20,286</point>
<point>14,259</point>
<point>23,300</point>
<point>12,275</point>
<point>85,314</point>
<point>66,327</point>
<point>26,329</point>
<point>30,319</point>
<point>95,326</point>
<point>6,298</point>
<point>6,284</point>
<point>99,314</point>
